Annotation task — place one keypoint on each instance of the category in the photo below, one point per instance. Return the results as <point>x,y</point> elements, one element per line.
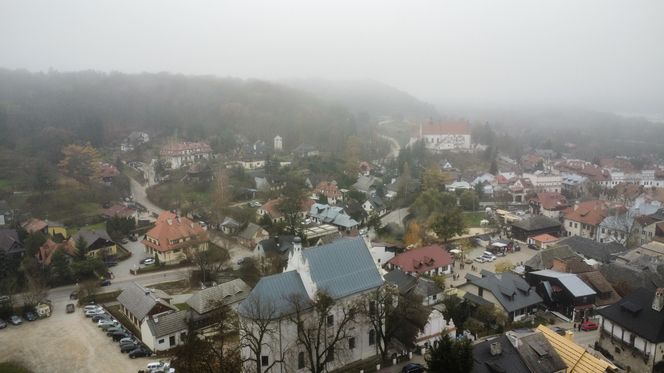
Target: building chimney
<point>169,221</point>
<point>576,205</point>
<point>496,349</point>
<point>658,300</point>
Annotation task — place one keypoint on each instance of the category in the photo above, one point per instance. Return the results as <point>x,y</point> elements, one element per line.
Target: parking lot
<point>65,343</point>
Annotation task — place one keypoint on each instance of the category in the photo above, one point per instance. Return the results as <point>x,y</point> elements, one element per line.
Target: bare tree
<point>257,327</point>
<point>210,352</point>
<point>36,292</point>
<point>209,261</point>
<point>321,327</point>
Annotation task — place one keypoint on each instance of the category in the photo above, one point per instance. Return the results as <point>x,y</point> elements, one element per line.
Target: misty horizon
<point>595,55</point>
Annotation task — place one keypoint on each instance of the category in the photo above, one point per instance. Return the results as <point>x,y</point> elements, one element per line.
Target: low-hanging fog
<point>604,55</point>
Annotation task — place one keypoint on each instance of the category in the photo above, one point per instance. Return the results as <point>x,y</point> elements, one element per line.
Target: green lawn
<point>473,219</point>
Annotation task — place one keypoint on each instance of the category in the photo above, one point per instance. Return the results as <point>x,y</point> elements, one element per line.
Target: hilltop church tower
<point>278,145</point>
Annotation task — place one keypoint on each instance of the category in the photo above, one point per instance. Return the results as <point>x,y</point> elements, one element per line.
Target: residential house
<point>380,254</point>
<point>321,234</point>
<point>6,213</point>
<point>166,330</point>
<point>47,250</point>
<point>10,243</point>
<point>118,210</point>
<point>306,151</point>
<point>574,186</point>
<point>334,215</point>
<point>367,184</point>
<point>199,172</point>
<point>33,225</point>
<point>328,189</point>
<point>498,355</point>
<point>98,243</point>
<point>617,228</point>
<point>545,181</point>
<point>538,354</point>
<point>375,204</point>
<point>428,260</point>
<point>644,228</point>
<point>550,204</point>
<point>563,292</point>
<point>251,235</point>
<point>605,293</point>
<point>230,226</point>
<point>280,246</point>
<point>632,330</point>
<point>584,218</point>
<point>533,226</point>
<point>365,168</point>
<point>174,238</point>
<point>444,135</point>
<point>345,270</point>
<point>506,291</point>
<point>137,303</point>
<point>602,252</point>
<point>543,240</point>
<point>108,172</point>
<point>519,188</point>
<point>278,143</point>
<point>204,303</point>
<point>577,358</point>
<point>183,153</point>
<point>271,209</point>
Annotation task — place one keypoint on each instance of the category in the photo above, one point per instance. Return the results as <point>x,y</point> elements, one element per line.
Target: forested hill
<point>44,110</point>
<point>367,96</point>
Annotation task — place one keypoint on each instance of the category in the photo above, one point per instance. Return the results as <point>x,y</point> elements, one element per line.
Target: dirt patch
<point>65,343</point>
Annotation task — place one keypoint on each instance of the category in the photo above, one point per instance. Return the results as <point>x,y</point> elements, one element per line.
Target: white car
<point>159,367</point>
<point>100,323</point>
<point>489,258</point>
<point>94,313</point>
<point>148,261</point>
<point>92,307</point>
<point>480,259</point>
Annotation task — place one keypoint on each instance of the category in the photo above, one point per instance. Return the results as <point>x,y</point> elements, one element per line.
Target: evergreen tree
<point>450,356</point>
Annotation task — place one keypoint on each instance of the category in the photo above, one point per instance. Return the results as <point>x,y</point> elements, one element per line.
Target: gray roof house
<point>10,242</point>
<point>252,234</point>
<point>138,302</point>
<point>506,291</point>
<point>543,259</point>
<point>164,331</point>
<point>335,215</point>
<point>203,303</point>
<point>367,184</point>
<point>591,249</point>
<point>344,269</point>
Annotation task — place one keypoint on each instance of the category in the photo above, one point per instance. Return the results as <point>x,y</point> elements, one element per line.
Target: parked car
<point>94,313</point>
<point>73,295</point>
<point>139,352</point>
<point>128,340</point>
<point>129,347</point>
<point>480,259</point>
<point>124,241</point>
<point>144,260</point>
<point>133,238</point>
<point>116,329</point>
<point>30,316</point>
<point>589,325</point>
<point>71,308</point>
<point>108,321</point>
<point>107,327</point>
<point>559,330</point>
<point>101,316</point>
<point>533,246</point>
<point>92,307</point>
<point>149,261</point>
<point>110,263</point>
<point>413,368</point>
<point>119,335</point>
<point>106,282</point>
<point>254,204</point>
<point>3,324</point>
<point>16,320</point>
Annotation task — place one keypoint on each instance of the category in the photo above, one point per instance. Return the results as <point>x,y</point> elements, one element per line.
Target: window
<point>435,296</point>
<point>480,291</point>
<point>161,341</point>
<point>576,225</point>
<point>171,340</point>
<point>300,360</point>
<point>330,354</point>
<point>265,360</point>
<point>570,224</point>
<point>330,320</point>
<point>351,343</point>
<point>372,307</point>
<point>603,230</point>
<point>372,337</point>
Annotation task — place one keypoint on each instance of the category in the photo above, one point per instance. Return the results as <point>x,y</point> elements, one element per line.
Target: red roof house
<point>174,237</point>
<point>430,260</point>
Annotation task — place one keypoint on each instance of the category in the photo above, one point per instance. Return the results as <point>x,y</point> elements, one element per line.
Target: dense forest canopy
<point>40,109</point>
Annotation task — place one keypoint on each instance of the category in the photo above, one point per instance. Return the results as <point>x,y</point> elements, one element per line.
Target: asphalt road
<point>138,191</point>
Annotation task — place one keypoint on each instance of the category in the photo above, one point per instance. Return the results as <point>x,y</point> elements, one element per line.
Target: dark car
<point>105,283</point>
<point>71,308</point>
<point>30,316</point>
<point>128,347</point>
<point>412,368</point>
<point>133,238</point>
<point>559,330</point>
<point>16,320</point>
<point>111,331</point>
<point>73,295</point>
<point>139,352</point>
<point>533,246</point>
<point>119,335</point>
<point>3,324</point>
<point>103,316</point>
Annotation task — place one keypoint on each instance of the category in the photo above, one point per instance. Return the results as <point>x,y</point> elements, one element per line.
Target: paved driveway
<point>65,343</point>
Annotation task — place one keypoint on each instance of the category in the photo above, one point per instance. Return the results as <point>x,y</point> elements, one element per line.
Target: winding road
<point>140,196</point>
<point>395,148</point>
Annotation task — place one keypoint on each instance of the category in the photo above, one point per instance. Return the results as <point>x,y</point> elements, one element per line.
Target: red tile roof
<point>551,200</point>
<point>422,259</point>
<point>446,128</point>
<point>328,189</point>
<point>589,212</point>
<point>170,229</point>
<point>109,170</point>
<point>34,225</point>
<point>46,251</point>
<point>545,238</point>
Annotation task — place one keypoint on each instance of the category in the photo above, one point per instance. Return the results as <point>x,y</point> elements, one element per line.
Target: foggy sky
<point>597,54</point>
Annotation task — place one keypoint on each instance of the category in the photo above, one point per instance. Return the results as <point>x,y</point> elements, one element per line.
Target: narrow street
<point>140,196</point>
<point>395,148</point>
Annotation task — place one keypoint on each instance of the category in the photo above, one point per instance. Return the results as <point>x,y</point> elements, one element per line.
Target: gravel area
<point>65,343</point>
